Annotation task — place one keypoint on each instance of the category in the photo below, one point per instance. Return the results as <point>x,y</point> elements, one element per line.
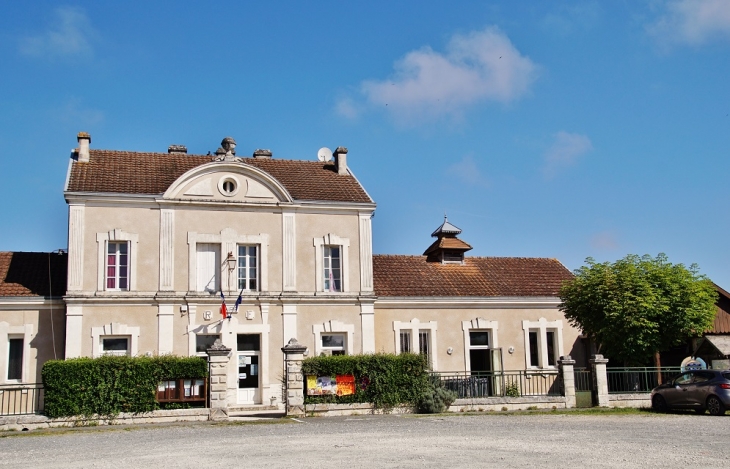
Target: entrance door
<point>249,371</point>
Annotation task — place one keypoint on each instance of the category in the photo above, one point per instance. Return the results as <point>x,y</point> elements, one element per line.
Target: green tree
<point>636,307</point>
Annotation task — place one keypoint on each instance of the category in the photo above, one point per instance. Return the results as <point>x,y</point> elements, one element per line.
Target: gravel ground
<point>489,440</point>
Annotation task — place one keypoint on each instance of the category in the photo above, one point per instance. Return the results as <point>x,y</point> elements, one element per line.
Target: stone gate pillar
<point>598,363</point>
<point>218,358</point>
<point>567,372</point>
<point>293,357</point>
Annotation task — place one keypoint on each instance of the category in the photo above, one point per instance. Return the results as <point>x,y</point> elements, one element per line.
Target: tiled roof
<point>27,273</point>
<point>722,318</point>
<point>152,173</point>
<point>448,243</point>
<point>402,276</point>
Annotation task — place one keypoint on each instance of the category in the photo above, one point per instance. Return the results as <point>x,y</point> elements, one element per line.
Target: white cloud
<point>467,172</point>
<point>565,150</point>
<point>604,241</point>
<point>346,107</point>
<point>693,22</point>
<point>69,35</point>
<point>73,111</point>
<point>480,66</point>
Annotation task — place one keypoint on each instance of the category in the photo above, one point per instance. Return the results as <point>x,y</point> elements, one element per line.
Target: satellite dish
<point>324,154</point>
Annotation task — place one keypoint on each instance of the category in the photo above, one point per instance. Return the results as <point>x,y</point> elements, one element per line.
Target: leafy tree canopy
<point>638,306</point>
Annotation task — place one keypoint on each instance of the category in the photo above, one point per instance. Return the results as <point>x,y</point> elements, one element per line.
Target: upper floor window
<point>332,269</point>
<point>117,265</point>
<point>248,269</point>
<point>208,267</point>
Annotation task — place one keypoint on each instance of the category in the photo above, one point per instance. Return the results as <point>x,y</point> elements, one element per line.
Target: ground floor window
<point>335,344</point>
<point>543,343</point>
<point>203,342</point>
<point>405,341</point>
<point>115,346</point>
<point>15,359</point>
<point>480,351</point>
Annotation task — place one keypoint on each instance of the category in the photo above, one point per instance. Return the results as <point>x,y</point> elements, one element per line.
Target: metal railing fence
<point>21,399</point>
<point>516,383</point>
<point>638,379</point>
<point>583,379</point>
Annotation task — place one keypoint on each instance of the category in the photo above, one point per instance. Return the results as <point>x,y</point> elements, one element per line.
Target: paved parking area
<point>493,440</point>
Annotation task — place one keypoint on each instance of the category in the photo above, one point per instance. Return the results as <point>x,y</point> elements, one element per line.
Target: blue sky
<point>548,129</point>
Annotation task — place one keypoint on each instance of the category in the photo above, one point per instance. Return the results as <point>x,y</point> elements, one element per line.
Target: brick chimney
<point>341,160</point>
<point>84,140</point>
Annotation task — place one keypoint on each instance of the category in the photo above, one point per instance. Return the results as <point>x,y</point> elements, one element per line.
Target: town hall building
<point>157,242</point>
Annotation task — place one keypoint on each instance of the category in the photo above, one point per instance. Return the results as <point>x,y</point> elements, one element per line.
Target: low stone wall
<point>637,400</point>
<point>336,410</point>
<point>32,422</point>
<point>486,404</point>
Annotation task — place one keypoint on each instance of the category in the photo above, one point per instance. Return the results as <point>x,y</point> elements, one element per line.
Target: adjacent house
<point>169,251</point>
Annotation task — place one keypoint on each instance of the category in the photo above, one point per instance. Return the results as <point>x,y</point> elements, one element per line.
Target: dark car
<point>699,390</point>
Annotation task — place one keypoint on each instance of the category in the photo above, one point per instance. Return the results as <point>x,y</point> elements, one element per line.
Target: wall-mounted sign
<point>340,385</point>
<point>693,363</point>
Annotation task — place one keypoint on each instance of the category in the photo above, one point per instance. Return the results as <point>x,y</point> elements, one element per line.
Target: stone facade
<point>158,241</point>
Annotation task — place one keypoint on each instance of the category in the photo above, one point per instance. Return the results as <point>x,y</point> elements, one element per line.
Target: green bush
<point>109,385</point>
<point>383,380</point>
<point>435,398</point>
<point>512,390</point>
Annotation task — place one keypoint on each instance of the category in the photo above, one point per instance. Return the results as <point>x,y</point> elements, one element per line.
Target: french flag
<point>224,310</point>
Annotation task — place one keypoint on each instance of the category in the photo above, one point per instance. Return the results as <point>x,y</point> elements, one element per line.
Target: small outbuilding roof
<point>33,274</point>
<point>409,276</point>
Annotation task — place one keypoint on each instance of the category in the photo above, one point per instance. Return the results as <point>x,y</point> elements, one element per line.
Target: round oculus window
<point>228,186</point>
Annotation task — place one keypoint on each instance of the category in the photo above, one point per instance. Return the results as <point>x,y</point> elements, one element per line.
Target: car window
<point>702,376</point>
<point>726,376</point>
<point>684,379</point>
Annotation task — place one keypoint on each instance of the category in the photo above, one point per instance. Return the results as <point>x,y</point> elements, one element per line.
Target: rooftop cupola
<point>447,248</point>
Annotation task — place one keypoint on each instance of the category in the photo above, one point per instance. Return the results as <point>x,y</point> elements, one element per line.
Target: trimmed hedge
<point>384,380</point>
<point>109,385</point>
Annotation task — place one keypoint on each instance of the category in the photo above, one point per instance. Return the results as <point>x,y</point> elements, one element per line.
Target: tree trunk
<point>658,365</point>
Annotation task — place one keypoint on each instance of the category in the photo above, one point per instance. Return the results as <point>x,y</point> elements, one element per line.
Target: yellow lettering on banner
<point>345,385</point>
<point>312,385</point>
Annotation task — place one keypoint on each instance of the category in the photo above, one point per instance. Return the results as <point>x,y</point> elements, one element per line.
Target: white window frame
<point>117,235</point>
<point>328,269</point>
<point>541,327</point>
<point>114,330</point>
<point>479,324</point>
<point>238,267</point>
<point>117,278</point>
<point>344,245</point>
<point>8,332</point>
<point>195,344</point>
<point>218,269</point>
<point>333,327</point>
<point>229,240</point>
<point>325,349</point>
<point>415,327</point>
<point>115,353</point>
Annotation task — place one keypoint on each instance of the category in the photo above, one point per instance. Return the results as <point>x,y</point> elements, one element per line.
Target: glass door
<point>249,372</point>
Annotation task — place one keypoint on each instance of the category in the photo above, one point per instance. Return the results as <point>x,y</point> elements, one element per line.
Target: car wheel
<point>715,406</point>
<point>659,404</point>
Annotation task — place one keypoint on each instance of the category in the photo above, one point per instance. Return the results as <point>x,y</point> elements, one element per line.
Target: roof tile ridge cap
<point>137,152</point>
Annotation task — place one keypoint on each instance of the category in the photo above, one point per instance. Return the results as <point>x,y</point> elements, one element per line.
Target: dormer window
<point>447,249</point>
<point>453,256</point>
